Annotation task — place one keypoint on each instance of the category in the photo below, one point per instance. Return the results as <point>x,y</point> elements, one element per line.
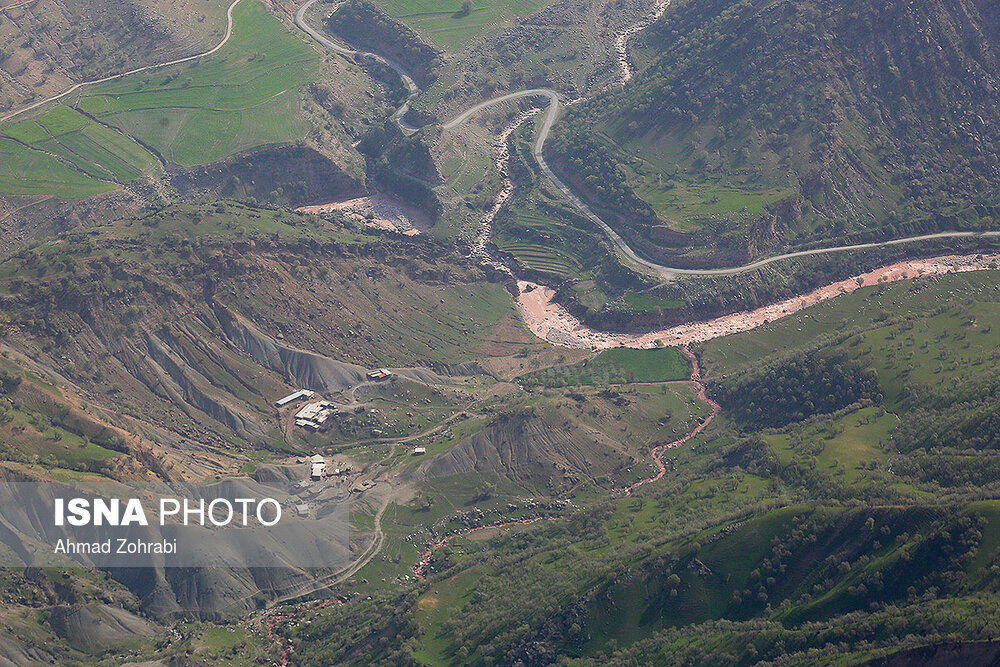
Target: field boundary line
<point>146,68</point>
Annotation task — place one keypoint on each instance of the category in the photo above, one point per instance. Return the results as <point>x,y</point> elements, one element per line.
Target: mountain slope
<point>766,124</point>
<point>49,45</point>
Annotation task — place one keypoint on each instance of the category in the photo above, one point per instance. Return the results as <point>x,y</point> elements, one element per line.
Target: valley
<point>565,432</point>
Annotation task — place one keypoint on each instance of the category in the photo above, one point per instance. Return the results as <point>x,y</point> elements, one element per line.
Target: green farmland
<point>616,366</point>
<point>443,25</point>
<point>540,242</point>
<point>245,95</point>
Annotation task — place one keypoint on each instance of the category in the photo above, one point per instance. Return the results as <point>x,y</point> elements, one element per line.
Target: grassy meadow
<point>616,366</point>
<point>444,25</point>
<point>245,95</point>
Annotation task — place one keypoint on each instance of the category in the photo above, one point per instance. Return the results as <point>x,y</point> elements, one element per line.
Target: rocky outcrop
<point>290,176</point>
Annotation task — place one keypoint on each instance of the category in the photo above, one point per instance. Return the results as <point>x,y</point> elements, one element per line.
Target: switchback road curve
<point>551,115</point>
<point>411,86</point>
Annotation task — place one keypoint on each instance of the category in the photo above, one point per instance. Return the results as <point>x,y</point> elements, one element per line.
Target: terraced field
<point>540,245</point>
<point>97,152</point>
<point>245,95</point>
<point>541,258</point>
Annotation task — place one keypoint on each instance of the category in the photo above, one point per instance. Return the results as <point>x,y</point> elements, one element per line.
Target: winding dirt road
<point>549,321</point>
<point>551,114</point>
<point>411,86</point>
<point>113,77</point>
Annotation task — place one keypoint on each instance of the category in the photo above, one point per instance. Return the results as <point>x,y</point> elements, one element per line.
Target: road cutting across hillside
<point>146,68</point>
<point>551,115</point>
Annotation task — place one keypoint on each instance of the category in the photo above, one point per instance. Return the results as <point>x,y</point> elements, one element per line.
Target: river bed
<point>552,322</point>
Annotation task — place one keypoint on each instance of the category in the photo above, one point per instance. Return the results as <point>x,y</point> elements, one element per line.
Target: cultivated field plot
<point>67,137</point>
<point>245,95</point>
<point>445,25</point>
<point>540,243</point>
<point>616,366</point>
<point>29,172</point>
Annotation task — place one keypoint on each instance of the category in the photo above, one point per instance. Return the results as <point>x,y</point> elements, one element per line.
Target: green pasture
<point>959,308</point>
<point>844,447</point>
<point>644,303</point>
<point>690,198</point>
<point>685,202</point>
<point>443,25</point>
<point>24,171</point>
<point>617,366</point>
<point>245,95</point>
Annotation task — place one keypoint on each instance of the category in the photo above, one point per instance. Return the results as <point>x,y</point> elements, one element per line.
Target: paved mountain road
<point>552,113</point>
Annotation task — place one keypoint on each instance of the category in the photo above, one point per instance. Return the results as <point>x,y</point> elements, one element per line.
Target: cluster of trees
<point>364,632</point>
<point>914,626</point>
<point>971,425</point>
<point>752,455</point>
<point>401,165</point>
<point>796,388</point>
<point>972,472</point>
<point>583,161</point>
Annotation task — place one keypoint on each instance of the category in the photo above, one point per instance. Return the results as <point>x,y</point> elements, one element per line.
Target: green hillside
<point>245,95</point>
<point>821,520</point>
<point>822,488</point>
<point>448,26</point>
<point>759,125</point>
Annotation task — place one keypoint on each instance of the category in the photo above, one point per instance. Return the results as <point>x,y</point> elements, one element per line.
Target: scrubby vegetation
<point>367,28</point>
<point>762,125</point>
<point>842,505</point>
<point>825,534</point>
